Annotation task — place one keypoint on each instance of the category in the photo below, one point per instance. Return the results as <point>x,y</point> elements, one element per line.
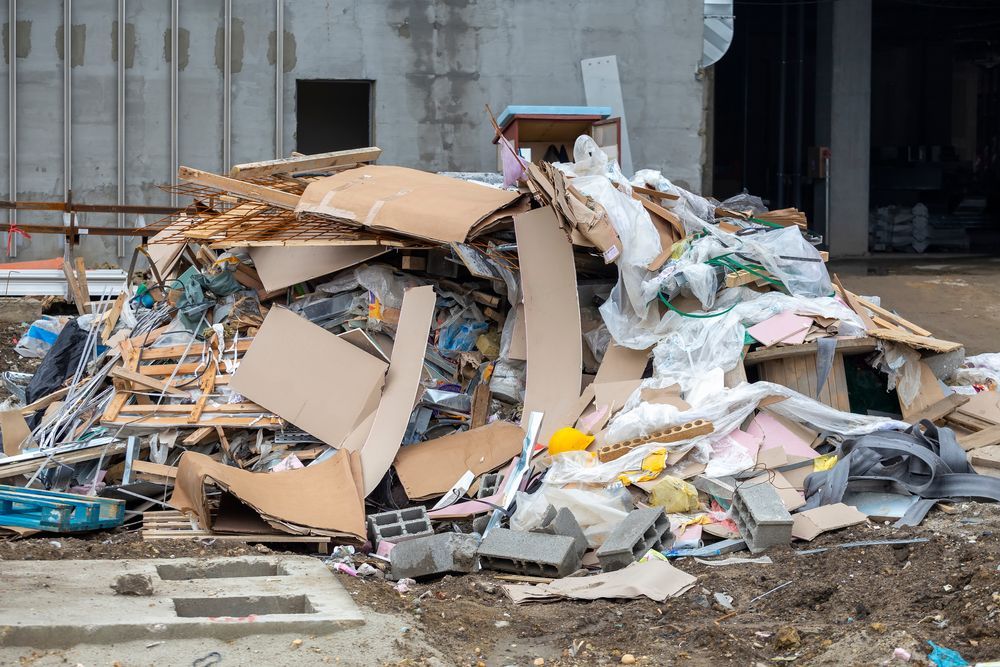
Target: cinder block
<point>563,523</point>
<point>489,484</point>
<point>434,554</point>
<point>532,554</point>
<point>719,487</point>
<point>761,517</point>
<point>399,525</point>
<point>643,529</point>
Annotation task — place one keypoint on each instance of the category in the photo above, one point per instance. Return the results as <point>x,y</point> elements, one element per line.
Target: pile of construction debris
<point>582,371</point>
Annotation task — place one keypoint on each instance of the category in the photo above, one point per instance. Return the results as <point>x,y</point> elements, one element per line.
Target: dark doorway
<point>332,115</point>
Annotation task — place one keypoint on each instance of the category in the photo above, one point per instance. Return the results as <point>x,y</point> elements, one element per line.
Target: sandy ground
<point>842,607</point>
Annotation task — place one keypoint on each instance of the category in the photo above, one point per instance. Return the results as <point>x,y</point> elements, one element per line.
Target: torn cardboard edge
<point>810,524</point>
<point>401,385</point>
<point>654,579</point>
<point>281,266</point>
<point>552,320</point>
<point>428,469</point>
<point>320,499</point>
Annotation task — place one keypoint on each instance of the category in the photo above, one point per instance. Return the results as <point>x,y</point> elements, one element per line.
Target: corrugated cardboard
<point>308,376</point>
<point>15,431</point>
<point>654,579</point>
<point>552,320</point>
<point>321,499</point>
<point>406,201</point>
<point>401,385</point>
<point>279,266</point>
<point>811,523</point>
<point>428,469</point>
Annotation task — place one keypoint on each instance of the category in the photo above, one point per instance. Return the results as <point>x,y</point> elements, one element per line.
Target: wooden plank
<point>225,537</point>
<point>738,278</point>
<point>156,469</point>
<point>913,340</point>
<point>73,286</point>
<point>210,419</point>
<point>262,193</point>
<point>228,408</point>
<point>313,162</point>
<point>151,383</point>
<point>669,216</point>
<point>45,401</point>
<point>853,345</point>
<point>985,438</point>
<point>852,302</point>
<point>112,318</point>
<point>29,466</point>
<point>198,436</point>
<point>81,281</point>
<point>968,422</point>
<point>480,405</point>
<point>889,315</point>
<point>940,409</point>
<point>650,192</point>
<point>175,351</point>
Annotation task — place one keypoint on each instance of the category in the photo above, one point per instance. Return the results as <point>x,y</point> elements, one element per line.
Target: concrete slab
<point>61,603</point>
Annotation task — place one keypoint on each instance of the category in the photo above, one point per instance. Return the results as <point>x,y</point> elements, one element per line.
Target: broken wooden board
<point>799,372</point>
<point>314,162</point>
<point>845,346</point>
<point>913,340</point>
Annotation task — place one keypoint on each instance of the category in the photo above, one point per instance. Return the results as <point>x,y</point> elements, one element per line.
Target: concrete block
<point>643,529</point>
<point>532,554</point>
<point>719,487</point>
<point>433,555</point>
<point>761,517</point>
<point>399,525</point>
<point>489,484</point>
<point>563,523</point>
<point>54,604</point>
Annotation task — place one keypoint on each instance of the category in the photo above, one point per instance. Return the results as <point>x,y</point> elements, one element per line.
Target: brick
<point>433,555</point>
<point>489,484</point>
<point>761,517</point>
<point>673,434</point>
<point>563,523</point>
<point>532,554</point>
<point>643,529</point>
<point>399,525</point>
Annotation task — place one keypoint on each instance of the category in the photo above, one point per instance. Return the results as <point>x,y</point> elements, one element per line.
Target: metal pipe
<point>12,117</point>
<point>227,85</point>
<point>175,11</point>
<point>279,78</point>
<point>120,121</point>
<point>67,97</point>
<point>782,89</point>
<point>799,95</point>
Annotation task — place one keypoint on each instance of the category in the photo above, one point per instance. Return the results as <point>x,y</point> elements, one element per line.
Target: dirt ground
<point>839,607</point>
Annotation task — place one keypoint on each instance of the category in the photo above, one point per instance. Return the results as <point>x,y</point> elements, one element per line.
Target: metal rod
<point>782,89</point>
<point>71,206</point>
<point>12,117</point>
<point>67,97</point>
<point>800,48</point>
<point>227,85</point>
<point>279,79</point>
<point>120,120</point>
<point>175,11</point>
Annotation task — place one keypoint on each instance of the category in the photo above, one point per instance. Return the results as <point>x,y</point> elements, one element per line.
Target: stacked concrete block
<point>532,554</point>
<point>489,484</point>
<point>563,522</point>
<point>399,525</point>
<point>761,517</point>
<point>433,555</point>
<point>643,529</point>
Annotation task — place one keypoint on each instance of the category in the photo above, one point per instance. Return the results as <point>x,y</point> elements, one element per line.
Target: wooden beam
<point>151,383</point>
<point>922,342</point>
<point>262,193</point>
<point>198,436</point>
<point>79,299</point>
<point>985,438</point>
<point>305,163</point>
<point>889,315</point>
<point>852,302</point>
<point>113,315</point>
<point>940,409</point>
<point>857,345</point>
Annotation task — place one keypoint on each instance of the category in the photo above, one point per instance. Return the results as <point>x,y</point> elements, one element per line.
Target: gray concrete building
<point>110,115</point>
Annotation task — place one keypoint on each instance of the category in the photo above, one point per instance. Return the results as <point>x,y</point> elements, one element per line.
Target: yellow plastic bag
<point>674,495</point>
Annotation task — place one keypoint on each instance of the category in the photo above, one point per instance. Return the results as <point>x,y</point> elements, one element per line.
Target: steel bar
<point>12,118</point>
<point>120,122</point>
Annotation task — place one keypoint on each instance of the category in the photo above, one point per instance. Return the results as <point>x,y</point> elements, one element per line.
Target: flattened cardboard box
<point>406,201</point>
<point>279,266</point>
<point>430,468</point>
<point>323,499</point>
<point>309,376</point>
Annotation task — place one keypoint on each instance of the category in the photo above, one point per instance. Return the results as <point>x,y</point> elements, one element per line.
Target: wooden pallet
<point>174,525</point>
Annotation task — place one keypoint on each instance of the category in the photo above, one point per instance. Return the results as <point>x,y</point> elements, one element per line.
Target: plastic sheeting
<point>597,511</point>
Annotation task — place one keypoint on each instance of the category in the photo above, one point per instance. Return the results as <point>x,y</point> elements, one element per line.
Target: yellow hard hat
<point>568,439</point>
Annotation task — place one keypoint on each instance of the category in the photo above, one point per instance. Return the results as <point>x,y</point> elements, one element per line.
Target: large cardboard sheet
<point>552,320</point>
<point>279,266</point>
<point>308,376</point>
<point>428,469</point>
<point>401,385</point>
<point>406,201</point>
<point>323,499</point>
<point>15,432</point>
<point>621,363</point>
<point>654,579</point>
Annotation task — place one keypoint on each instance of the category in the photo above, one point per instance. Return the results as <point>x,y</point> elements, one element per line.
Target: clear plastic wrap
<point>902,366</point>
<point>598,511</point>
<point>787,256</point>
<point>597,340</point>
<point>978,369</point>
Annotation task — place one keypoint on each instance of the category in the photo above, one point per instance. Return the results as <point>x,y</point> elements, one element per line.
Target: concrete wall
<point>435,65</point>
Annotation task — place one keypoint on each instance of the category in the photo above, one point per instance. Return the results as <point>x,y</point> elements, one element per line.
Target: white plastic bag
<point>598,511</point>
<point>40,336</point>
